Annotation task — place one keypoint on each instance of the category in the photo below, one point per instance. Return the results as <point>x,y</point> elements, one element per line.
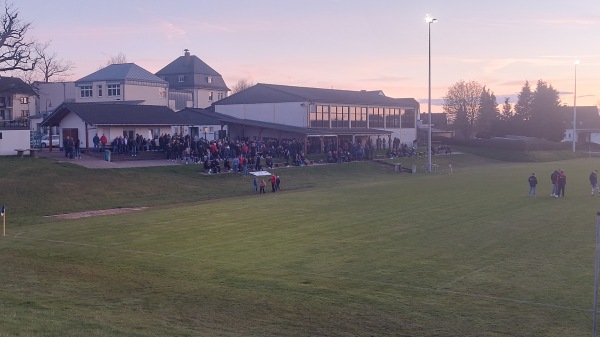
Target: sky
<point>340,44</point>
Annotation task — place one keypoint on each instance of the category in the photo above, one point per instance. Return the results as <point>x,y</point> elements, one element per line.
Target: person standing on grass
<point>594,182</point>
<point>532,184</point>
<point>262,186</point>
<point>561,182</point>
<point>554,180</point>
<point>278,181</point>
<point>255,185</point>
<point>103,142</point>
<point>96,142</point>
<point>273,183</point>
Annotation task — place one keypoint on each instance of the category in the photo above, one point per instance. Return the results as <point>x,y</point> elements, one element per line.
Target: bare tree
<point>461,103</point>
<point>50,65</point>
<point>118,59</point>
<point>241,85</point>
<point>16,52</point>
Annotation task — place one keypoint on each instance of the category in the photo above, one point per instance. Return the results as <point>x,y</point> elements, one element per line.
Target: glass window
<point>375,117</point>
<point>209,79</point>
<point>85,91</point>
<point>114,89</point>
<point>181,78</point>
<point>99,90</point>
<point>408,119</point>
<point>24,113</point>
<point>210,96</point>
<point>392,118</point>
<point>24,100</point>
<point>319,117</point>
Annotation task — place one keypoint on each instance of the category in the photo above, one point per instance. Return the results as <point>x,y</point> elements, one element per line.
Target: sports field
<point>343,250</point>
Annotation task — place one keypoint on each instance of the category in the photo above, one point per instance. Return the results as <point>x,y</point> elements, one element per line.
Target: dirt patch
<point>88,214</point>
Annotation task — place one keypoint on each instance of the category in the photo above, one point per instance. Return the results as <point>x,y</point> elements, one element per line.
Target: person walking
<point>561,182</point>
<point>278,181</point>
<point>594,182</point>
<point>532,184</point>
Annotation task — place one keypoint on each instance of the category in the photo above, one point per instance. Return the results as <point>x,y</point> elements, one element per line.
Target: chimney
<point>187,56</point>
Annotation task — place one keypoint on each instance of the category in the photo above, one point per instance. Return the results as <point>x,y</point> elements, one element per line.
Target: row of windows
<point>322,116</point>
<point>220,96</point>
<point>111,89</point>
<point>181,79</point>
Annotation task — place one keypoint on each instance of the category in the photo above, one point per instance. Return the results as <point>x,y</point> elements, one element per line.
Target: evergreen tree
<point>523,106</point>
<point>487,114</point>
<point>507,112</point>
<point>545,117</point>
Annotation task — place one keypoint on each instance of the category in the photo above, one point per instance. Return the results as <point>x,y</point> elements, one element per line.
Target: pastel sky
<point>340,44</point>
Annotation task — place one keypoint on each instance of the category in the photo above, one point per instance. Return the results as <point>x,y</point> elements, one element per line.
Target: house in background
<point>202,123</point>
<point>17,102</point>
<point>125,82</point>
<point>342,114</point>
<point>84,120</point>
<point>588,124</point>
<point>192,83</point>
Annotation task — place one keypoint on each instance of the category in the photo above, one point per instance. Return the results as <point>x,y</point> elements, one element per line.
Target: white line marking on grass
<point>406,286</point>
<point>465,275</point>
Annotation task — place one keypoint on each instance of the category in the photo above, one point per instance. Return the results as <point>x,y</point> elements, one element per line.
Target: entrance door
<point>73,133</point>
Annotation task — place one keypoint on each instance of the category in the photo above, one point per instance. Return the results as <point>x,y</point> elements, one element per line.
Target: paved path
<point>95,163</point>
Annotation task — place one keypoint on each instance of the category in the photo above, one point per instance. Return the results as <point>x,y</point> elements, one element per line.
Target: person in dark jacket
<point>594,182</point>
<point>532,184</point>
<point>561,182</point>
<point>553,178</point>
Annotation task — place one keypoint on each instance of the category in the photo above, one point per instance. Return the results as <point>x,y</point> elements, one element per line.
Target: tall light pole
<point>429,21</point>
<point>575,108</point>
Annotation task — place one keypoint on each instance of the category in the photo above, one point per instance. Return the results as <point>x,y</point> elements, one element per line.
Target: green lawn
<point>344,250</point>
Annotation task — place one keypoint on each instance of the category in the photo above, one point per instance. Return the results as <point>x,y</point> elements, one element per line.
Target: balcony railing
<point>14,124</point>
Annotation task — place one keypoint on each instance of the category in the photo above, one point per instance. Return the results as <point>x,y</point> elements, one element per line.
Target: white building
<point>343,114</point>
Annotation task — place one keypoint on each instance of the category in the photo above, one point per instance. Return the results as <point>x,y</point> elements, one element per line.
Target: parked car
<point>55,141</point>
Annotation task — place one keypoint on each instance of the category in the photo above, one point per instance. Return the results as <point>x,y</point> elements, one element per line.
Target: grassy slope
<point>345,250</point>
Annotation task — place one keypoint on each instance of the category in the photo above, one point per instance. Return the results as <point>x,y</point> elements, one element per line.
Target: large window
<point>99,90</point>
<point>392,118</point>
<point>375,117</point>
<point>114,89</point>
<point>339,116</point>
<point>319,116</point>
<point>408,119</point>
<point>24,100</point>
<point>85,91</point>
<point>210,96</point>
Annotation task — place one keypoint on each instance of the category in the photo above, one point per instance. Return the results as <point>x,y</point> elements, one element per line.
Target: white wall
<point>202,95</point>
<point>13,139</point>
<point>151,95</point>
<point>291,113</point>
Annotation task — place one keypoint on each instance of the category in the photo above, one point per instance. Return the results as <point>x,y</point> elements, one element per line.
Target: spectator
<point>532,184</point>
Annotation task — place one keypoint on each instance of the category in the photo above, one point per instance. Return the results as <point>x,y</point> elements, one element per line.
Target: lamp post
<point>575,108</point>
<point>429,21</point>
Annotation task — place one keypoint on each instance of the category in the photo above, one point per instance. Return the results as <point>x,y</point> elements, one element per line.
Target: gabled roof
<point>196,71</point>
<point>273,93</point>
<point>14,85</point>
<point>122,72</point>
<point>587,117</point>
<point>116,114</point>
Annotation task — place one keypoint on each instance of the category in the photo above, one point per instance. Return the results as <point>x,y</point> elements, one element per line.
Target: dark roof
<point>199,117</point>
<point>273,93</point>
<point>587,117</point>
<point>195,71</point>
<point>14,85</point>
<point>226,119</point>
<point>123,72</point>
<point>116,114</point>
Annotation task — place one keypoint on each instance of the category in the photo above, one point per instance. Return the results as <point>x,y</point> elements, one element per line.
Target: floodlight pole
<point>429,21</point>
<point>597,267</point>
<point>575,109</point>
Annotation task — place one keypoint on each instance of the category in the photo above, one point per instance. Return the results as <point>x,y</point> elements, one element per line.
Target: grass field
<point>343,250</point>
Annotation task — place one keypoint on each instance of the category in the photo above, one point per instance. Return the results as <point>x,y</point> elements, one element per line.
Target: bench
<point>21,152</point>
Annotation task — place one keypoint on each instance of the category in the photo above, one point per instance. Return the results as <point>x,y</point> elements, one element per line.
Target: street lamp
<point>575,108</point>
<point>429,21</point>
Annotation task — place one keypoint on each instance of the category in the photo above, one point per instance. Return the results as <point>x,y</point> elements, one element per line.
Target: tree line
<point>472,110</point>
